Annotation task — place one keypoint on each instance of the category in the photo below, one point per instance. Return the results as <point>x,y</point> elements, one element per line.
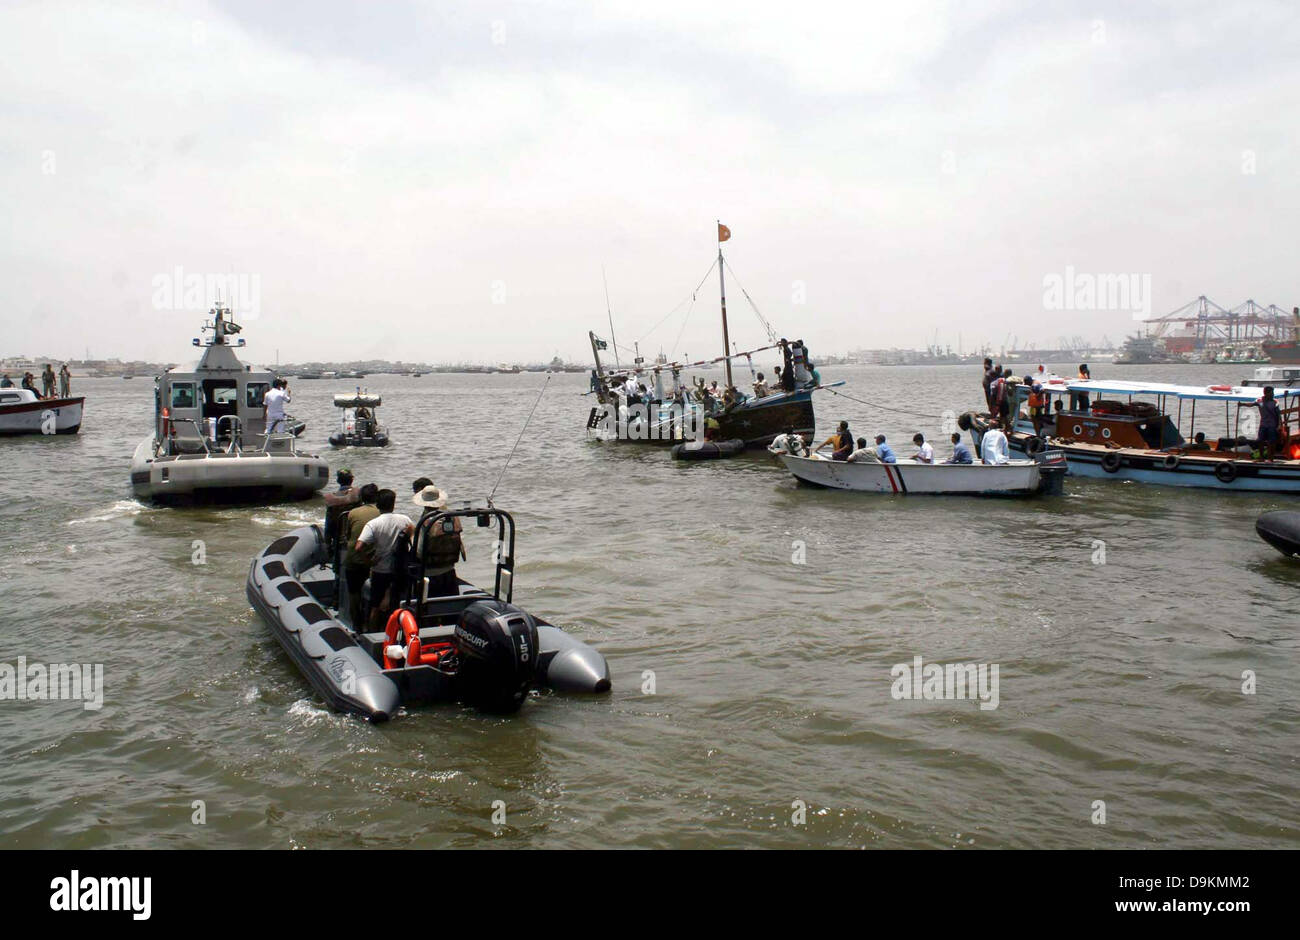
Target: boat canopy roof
<point>358,400</point>
<point>1237,393</point>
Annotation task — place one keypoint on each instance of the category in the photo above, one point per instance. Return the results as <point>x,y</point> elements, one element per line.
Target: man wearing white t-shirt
<point>925,451</point>
<point>382,533</point>
<point>275,401</point>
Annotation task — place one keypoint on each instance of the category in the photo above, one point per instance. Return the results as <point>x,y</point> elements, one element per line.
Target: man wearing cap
<point>441,547</point>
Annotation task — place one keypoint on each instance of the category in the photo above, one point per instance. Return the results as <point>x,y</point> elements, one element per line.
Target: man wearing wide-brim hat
<point>441,549</point>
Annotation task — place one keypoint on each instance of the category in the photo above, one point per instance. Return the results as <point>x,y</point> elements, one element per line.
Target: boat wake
<point>120,509</point>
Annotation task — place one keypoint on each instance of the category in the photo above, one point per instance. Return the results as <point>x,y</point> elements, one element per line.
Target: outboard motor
<point>498,648</point>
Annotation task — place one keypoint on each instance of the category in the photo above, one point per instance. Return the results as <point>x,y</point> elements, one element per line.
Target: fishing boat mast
<point>723,234</point>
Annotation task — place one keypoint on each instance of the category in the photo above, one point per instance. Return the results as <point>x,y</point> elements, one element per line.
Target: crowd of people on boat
<point>52,385</point>
<point>372,541</point>
<point>845,448</point>
<point>795,371</point>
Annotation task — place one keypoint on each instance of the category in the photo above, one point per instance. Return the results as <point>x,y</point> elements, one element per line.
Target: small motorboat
<point>1281,529</point>
<point>1014,478</point>
<point>22,411</point>
<point>707,450</point>
<point>210,441</point>
<point>360,427</point>
<point>469,646</point>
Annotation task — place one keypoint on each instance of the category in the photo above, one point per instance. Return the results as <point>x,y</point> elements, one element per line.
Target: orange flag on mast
<point>723,232</point>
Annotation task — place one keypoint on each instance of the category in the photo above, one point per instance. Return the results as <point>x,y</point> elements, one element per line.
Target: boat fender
<point>964,422</point>
<point>1034,445</point>
<point>1226,472</point>
<point>1172,461</point>
<point>1220,388</point>
<point>1110,463</point>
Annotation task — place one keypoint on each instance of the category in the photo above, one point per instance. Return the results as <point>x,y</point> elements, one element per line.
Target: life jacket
<point>1036,399</point>
<point>442,549</point>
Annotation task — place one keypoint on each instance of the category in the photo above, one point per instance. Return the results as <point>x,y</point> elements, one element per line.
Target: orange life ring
<point>401,619</point>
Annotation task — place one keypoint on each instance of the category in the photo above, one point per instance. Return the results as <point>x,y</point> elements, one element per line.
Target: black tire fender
<point>1110,463</point>
<point>1226,472</point>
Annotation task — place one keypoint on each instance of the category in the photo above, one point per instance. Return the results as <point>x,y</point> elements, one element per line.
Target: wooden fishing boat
<point>670,411</point>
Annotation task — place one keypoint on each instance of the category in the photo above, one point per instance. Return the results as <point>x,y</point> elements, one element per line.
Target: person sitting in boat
<point>275,401</point>
<point>841,440</point>
<point>381,534</point>
<point>993,446</point>
<point>1198,442</point>
<point>6,382</point>
<point>441,547</point>
<point>356,563</point>
<point>1270,420</point>
<point>864,453</point>
<point>924,449</point>
<point>363,421</point>
<point>960,452</point>
<point>884,451</point>
<point>760,387</point>
<point>29,383</point>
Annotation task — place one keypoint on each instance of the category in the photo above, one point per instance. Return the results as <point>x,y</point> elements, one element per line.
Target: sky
<point>458,181</point>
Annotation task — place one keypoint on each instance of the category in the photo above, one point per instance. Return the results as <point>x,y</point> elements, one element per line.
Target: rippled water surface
<point>1118,682</point>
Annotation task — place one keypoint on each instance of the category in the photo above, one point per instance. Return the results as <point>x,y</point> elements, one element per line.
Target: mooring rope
<point>860,401</point>
<point>519,438</point>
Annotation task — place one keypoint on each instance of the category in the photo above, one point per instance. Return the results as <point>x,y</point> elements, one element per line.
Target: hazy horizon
<point>445,182</point>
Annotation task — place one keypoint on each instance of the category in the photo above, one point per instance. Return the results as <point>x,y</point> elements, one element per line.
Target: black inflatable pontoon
<point>1281,529</point>
<point>707,450</point>
<point>471,646</point>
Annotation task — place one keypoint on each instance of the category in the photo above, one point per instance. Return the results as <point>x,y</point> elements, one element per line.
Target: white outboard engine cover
<point>498,650</point>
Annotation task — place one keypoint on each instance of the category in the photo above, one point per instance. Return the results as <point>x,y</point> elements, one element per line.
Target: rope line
<point>519,438</point>
<point>860,401</point>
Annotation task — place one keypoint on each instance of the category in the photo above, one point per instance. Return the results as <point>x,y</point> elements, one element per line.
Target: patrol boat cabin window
<point>255,395</point>
<point>183,395</point>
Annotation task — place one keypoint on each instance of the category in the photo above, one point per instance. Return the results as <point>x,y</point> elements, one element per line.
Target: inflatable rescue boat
<point>463,644</point>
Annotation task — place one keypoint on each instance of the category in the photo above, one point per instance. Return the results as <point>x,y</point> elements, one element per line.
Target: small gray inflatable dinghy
<point>470,646</point>
<point>707,450</point>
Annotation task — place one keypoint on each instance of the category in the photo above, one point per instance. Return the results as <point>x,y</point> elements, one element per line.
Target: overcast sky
<point>444,181</point>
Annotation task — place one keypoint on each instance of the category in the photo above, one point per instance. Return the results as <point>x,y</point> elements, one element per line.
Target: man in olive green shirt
<point>356,567</point>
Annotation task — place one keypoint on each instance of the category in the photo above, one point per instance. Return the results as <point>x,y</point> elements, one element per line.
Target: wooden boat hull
<point>1020,478</point>
<point>1161,468</point>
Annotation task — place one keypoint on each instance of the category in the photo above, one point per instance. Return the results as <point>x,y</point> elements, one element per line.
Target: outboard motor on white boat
<point>498,650</point>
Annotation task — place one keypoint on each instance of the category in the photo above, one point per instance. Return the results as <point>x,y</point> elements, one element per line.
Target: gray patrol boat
<point>210,441</point>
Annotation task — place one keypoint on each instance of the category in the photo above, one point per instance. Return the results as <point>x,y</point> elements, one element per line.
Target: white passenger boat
<point>210,441</point>
<point>22,411</point>
<point>1015,478</point>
